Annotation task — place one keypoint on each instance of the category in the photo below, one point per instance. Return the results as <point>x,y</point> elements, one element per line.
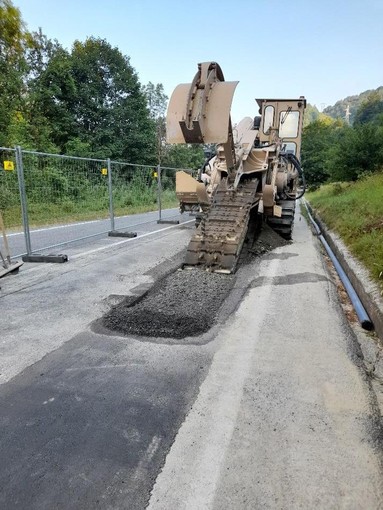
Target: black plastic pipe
<point>363,317</point>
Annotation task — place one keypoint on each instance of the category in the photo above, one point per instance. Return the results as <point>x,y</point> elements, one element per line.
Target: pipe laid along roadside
<point>362,292</point>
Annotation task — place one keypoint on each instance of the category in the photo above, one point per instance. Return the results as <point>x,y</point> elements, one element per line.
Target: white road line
<point>79,223</point>
<point>95,250</point>
<point>106,247</point>
<point>32,231</point>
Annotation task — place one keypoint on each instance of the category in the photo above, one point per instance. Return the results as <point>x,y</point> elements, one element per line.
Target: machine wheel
<point>284,225</point>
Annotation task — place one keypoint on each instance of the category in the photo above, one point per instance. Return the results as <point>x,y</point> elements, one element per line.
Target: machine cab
<point>282,118</point>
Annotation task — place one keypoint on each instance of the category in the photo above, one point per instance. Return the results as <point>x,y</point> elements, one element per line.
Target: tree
<point>14,39</point>
<point>53,97</point>
<point>356,151</point>
<point>311,114</point>
<point>110,108</point>
<point>157,102</point>
<point>184,156</point>
<point>93,102</point>
<point>370,108</point>
<point>318,138</point>
<point>23,57</point>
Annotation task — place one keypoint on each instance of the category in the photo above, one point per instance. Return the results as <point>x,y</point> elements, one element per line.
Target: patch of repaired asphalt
<point>184,303</point>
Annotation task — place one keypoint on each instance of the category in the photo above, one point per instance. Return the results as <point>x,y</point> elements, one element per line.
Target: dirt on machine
<point>252,171</point>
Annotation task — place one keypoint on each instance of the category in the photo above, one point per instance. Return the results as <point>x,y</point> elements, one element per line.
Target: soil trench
<point>184,303</point>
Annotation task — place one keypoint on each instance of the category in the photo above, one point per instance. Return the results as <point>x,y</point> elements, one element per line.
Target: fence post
<point>160,220</point>
<point>23,198</point>
<point>159,192</point>
<point>113,232</point>
<point>110,188</point>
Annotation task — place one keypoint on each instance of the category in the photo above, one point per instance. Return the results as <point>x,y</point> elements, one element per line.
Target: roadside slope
<point>354,210</point>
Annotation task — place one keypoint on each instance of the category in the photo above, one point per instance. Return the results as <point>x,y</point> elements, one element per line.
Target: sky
<point>324,50</point>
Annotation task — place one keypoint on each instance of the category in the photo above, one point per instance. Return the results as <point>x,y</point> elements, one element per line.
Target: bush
<point>333,151</point>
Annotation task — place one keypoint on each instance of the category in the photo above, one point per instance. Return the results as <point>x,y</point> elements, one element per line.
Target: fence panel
<point>63,199</point>
<point>135,195</point>
<point>168,211</point>
<point>67,198</point>
<point>10,206</point>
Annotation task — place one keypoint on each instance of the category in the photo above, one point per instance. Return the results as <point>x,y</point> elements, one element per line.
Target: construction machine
<point>254,172</point>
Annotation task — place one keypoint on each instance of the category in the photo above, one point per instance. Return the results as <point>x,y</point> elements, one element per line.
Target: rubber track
<point>217,242</point>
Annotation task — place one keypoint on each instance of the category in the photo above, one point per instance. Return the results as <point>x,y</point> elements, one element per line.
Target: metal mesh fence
<point>10,205</point>
<point>63,192</point>
<point>136,189</point>
<point>167,198</point>
<point>58,187</point>
<point>61,199</point>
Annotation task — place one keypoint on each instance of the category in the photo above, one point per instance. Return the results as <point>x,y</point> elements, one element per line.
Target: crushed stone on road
<point>184,303</point>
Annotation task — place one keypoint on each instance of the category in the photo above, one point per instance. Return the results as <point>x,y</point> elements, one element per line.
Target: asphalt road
<point>271,408</point>
<point>88,232</point>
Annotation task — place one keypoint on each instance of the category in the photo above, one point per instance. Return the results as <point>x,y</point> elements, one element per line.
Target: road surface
<point>270,409</point>
<point>63,238</point>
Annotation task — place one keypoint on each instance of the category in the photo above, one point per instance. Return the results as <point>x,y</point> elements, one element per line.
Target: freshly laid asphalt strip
<point>90,425</point>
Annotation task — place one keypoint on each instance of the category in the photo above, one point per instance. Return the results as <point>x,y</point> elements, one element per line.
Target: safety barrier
<point>50,200</point>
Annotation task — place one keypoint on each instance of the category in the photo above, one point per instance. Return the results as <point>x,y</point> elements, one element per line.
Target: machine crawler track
<point>284,225</point>
<point>217,242</point>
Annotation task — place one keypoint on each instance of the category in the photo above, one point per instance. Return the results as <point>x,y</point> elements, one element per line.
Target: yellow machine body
<point>255,168</point>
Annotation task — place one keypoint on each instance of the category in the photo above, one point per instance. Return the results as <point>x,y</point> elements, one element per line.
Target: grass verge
<point>41,214</point>
<point>355,211</point>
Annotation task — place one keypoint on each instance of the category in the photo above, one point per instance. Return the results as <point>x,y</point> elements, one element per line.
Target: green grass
<point>92,208</point>
<point>355,212</point>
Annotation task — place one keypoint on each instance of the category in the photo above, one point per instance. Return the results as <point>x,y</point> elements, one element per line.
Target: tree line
<point>333,150</point>
<point>86,101</point>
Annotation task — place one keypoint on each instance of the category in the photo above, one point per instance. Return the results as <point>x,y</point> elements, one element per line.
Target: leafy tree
<point>311,114</point>
<point>356,151</point>
<point>23,56</point>
<point>157,99</point>
<point>184,156</point>
<point>14,39</point>
<point>157,102</point>
<point>370,108</point>
<point>318,138</point>
<point>110,109</point>
<point>53,97</point>
<point>93,101</point>
<point>38,55</point>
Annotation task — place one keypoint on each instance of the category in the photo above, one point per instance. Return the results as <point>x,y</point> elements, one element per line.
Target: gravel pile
<point>267,240</point>
<point>183,304</point>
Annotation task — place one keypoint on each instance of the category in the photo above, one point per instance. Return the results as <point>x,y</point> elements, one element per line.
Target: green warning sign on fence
<point>8,165</point>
